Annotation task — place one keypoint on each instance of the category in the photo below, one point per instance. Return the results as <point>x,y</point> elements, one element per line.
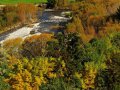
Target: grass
<point>21,1</point>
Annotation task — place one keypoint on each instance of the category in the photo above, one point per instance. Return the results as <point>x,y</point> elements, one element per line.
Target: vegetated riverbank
<point>18,33</point>
<point>11,28</point>
<point>17,28</point>
<point>70,61</point>
<point>15,16</point>
<point>50,21</point>
<point>14,27</point>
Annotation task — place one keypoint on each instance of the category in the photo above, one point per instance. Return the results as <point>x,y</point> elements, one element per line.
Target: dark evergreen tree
<point>51,3</point>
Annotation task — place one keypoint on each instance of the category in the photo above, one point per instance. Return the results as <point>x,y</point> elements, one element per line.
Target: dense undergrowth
<point>85,57</point>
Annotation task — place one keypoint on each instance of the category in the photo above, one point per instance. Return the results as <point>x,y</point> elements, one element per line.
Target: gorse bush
<point>85,57</point>
<point>69,64</point>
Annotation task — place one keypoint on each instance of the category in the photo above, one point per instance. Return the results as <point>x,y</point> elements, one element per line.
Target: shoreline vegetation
<point>15,27</point>
<point>86,56</point>
<point>13,17</point>
<point>19,23</point>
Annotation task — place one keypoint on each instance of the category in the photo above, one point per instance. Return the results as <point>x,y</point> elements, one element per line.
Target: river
<point>46,20</point>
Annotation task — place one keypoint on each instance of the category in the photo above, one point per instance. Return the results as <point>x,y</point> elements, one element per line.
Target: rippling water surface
<point>48,19</point>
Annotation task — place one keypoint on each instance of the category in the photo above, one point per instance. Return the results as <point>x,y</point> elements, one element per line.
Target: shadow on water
<point>46,16</point>
<point>3,37</point>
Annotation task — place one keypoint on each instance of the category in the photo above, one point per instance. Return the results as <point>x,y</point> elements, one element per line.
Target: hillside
<point>67,46</point>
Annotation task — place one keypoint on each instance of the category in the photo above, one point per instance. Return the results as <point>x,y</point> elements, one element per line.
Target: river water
<point>46,20</point>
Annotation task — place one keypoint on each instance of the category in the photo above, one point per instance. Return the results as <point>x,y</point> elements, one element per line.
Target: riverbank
<point>13,28</point>
<point>21,32</point>
<point>50,22</point>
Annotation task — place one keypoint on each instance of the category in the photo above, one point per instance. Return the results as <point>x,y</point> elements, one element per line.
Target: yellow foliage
<point>16,82</point>
<point>74,6</point>
<point>12,43</point>
<point>76,26</point>
<point>63,64</point>
<point>26,76</point>
<point>62,69</point>
<point>12,60</point>
<point>88,79</point>
<point>27,86</point>
<point>24,79</point>
<point>42,37</point>
<point>78,75</point>
<point>38,80</point>
<point>108,29</point>
<point>52,75</point>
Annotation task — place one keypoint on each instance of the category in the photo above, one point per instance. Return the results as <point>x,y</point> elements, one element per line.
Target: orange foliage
<point>110,28</point>
<point>26,12</point>
<point>36,44</point>
<point>12,43</point>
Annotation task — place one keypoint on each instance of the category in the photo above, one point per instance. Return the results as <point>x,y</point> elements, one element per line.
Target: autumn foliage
<point>85,57</point>
<point>36,45</point>
<point>26,12</point>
